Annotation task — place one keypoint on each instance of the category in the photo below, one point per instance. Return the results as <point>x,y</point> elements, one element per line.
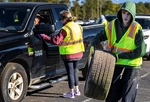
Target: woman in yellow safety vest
<point>71,48</point>
<point>126,42</point>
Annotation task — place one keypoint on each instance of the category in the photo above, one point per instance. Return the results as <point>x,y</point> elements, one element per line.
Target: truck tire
<point>148,56</point>
<point>13,83</point>
<point>85,69</point>
<point>99,75</point>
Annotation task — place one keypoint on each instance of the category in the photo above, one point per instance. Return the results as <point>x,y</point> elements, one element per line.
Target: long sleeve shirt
<point>57,39</point>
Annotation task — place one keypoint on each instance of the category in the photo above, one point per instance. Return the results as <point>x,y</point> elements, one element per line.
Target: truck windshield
<point>144,22</point>
<point>13,19</point>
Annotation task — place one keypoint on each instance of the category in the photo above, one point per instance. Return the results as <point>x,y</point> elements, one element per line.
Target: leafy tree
<point>147,5</point>
<point>91,9</point>
<point>75,9</point>
<point>141,9</point>
<point>67,2</point>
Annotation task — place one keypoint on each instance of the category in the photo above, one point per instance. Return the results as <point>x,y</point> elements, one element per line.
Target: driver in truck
<point>36,22</point>
<point>37,19</point>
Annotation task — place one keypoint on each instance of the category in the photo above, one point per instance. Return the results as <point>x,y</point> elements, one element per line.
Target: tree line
<point>91,9</point>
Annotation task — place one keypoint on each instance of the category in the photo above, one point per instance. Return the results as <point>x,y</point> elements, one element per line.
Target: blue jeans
<point>71,68</point>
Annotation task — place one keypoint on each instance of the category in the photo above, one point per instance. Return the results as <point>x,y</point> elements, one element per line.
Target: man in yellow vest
<point>126,42</point>
<point>71,48</point>
<point>103,20</point>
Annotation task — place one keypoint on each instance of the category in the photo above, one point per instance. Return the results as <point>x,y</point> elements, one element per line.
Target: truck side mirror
<point>44,28</point>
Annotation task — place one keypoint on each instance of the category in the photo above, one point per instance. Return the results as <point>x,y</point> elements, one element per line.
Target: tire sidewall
<point>8,71</point>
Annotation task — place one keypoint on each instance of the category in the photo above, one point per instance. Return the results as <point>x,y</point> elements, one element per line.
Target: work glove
<point>45,37</point>
<point>115,55</point>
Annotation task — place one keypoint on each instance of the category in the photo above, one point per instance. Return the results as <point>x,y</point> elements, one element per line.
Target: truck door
<point>52,52</point>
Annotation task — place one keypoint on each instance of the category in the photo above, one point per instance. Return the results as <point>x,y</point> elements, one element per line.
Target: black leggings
<point>71,68</point>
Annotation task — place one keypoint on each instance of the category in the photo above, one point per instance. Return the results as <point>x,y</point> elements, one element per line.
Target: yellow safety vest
<point>73,42</point>
<point>126,43</point>
<point>105,22</point>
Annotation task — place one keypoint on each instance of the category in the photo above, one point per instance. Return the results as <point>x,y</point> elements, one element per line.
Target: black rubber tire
<point>148,57</point>
<point>16,72</point>
<point>85,69</point>
<point>99,75</point>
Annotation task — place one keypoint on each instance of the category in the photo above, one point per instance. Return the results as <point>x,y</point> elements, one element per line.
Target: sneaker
<point>77,93</point>
<point>69,95</point>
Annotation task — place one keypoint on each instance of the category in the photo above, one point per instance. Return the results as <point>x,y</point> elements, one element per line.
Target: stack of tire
<point>99,75</point>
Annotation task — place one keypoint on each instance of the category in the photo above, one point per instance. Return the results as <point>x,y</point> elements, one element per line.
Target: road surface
<point>54,93</point>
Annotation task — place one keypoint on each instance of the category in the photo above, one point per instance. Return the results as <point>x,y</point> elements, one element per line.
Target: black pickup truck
<point>21,70</point>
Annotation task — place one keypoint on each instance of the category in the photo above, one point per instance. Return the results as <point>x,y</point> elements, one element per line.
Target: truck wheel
<point>13,83</point>
<point>148,57</point>
<point>85,69</point>
<point>100,75</point>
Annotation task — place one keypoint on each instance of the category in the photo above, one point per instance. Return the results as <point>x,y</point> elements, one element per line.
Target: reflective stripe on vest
<point>73,42</point>
<point>125,44</point>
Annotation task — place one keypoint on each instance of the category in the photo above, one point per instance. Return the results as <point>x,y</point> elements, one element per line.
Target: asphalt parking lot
<point>54,93</point>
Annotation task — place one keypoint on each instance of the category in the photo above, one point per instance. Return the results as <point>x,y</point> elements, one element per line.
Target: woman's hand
<point>45,37</point>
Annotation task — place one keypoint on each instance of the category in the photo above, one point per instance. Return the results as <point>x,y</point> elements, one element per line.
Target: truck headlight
<point>146,36</point>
